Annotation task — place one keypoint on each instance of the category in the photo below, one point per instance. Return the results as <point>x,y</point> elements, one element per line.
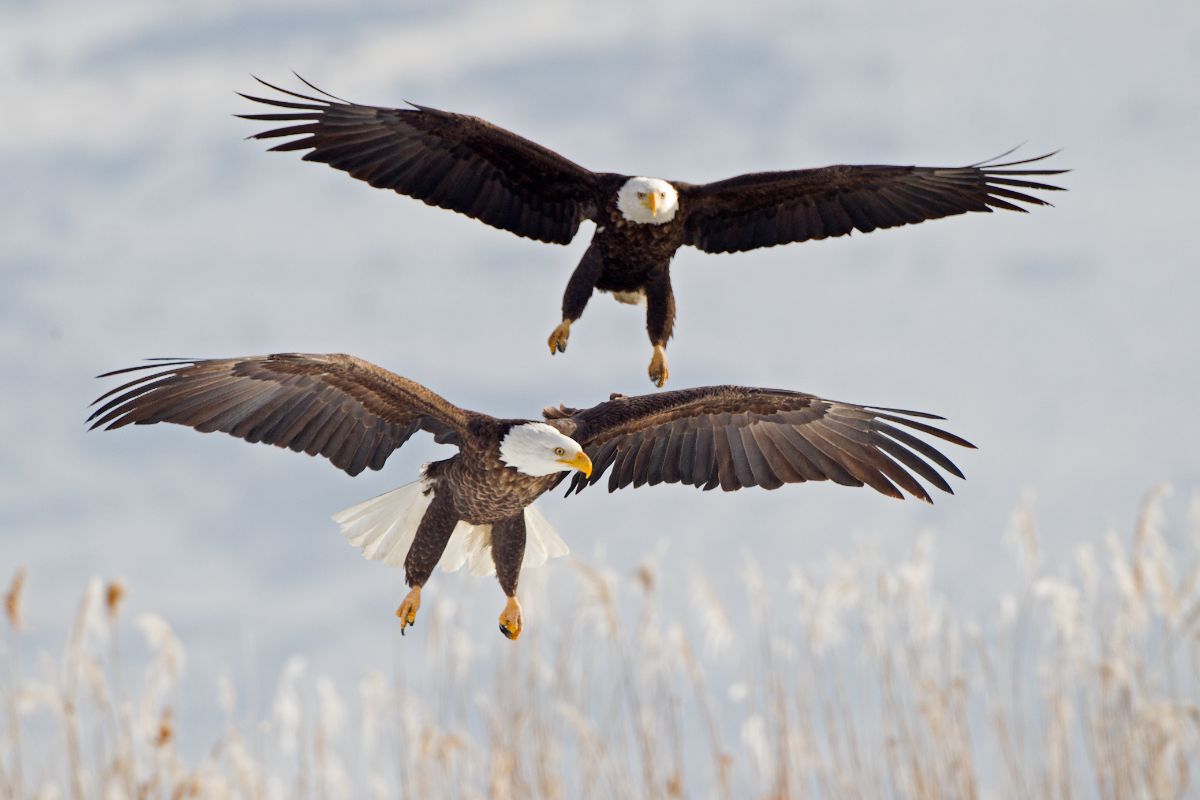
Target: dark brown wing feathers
<point>734,437</point>
<point>341,407</point>
<point>448,160</point>
<point>769,208</point>
<point>471,166</point>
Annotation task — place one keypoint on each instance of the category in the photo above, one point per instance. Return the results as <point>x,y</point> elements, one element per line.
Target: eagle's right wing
<point>448,160</point>
<point>341,407</point>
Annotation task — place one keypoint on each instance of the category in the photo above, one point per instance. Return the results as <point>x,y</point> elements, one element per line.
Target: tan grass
<point>854,679</point>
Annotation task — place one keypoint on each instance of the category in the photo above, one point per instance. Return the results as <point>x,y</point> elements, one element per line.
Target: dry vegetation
<point>856,679</point>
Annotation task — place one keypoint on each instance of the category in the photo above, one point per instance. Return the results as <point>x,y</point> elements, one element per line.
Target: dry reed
<point>855,679</point>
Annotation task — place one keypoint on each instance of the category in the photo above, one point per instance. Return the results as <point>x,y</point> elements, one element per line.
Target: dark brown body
<point>468,165</point>
<point>476,486</point>
<point>626,256</point>
<point>356,414</point>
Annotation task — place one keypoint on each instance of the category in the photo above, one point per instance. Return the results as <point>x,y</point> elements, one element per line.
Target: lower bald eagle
<point>471,166</point>
<point>475,507</point>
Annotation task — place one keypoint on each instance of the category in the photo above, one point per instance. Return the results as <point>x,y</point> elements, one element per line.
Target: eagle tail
<point>384,528</point>
<point>471,545</point>
<point>542,542</point>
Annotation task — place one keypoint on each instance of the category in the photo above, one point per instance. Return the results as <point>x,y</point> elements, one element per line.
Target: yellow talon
<point>510,619</point>
<point>558,339</point>
<point>407,612</point>
<point>658,366</point>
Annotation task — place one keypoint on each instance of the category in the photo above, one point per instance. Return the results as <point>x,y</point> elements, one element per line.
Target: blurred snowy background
<point>137,222</point>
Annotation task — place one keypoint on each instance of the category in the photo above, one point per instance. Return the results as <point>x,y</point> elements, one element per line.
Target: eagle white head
<point>537,449</point>
<point>648,200</point>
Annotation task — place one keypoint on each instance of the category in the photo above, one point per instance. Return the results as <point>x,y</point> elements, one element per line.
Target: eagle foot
<point>510,619</point>
<point>658,367</point>
<point>558,339</point>
<point>407,612</point>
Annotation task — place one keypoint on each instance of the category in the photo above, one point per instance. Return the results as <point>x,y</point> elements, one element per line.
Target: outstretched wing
<point>452,161</point>
<point>737,436</point>
<point>341,407</point>
<point>769,208</point>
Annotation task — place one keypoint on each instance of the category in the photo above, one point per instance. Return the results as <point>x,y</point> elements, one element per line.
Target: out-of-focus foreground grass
<point>856,679</point>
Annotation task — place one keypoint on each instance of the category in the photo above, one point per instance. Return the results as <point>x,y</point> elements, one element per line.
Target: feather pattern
<point>384,528</point>
<point>337,406</point>
<point>764,209</point>
<point>474,509</point>
<point>448,160</point>
<point>468,165</point>
<point>736,436</point>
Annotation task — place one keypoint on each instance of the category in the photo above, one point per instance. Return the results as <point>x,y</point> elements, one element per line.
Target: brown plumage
<point>356,414</point>
<point>471,166</point>
<point>737,436</point>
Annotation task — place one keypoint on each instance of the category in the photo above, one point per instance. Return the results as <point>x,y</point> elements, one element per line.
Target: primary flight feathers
<point>471,166</point>
<point>356,414</point>
<point>467,164</point>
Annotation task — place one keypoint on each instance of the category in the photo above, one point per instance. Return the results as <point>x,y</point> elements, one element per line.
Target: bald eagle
<point>471,166</point>
<point>474,508</point>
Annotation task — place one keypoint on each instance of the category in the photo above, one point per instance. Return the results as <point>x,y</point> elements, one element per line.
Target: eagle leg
<point>407,612</point>
<point>510,618</point>
<point>508,551</point>
<point>658,366</point>
<point>575,298</point>
<point>660,321</point>
<point>429,543</point>
<point>558,339</point>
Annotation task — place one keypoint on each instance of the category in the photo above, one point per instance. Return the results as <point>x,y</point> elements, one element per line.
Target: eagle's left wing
<point>764,209</point>
<point>737,436</point>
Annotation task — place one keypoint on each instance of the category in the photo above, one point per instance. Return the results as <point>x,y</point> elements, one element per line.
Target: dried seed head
<point>12,599</point>
<point>645,578</point>
<point>113,596</point>
<point>166,728</point>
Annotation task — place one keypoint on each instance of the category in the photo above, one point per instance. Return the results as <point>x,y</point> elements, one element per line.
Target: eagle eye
<point>558,451</point>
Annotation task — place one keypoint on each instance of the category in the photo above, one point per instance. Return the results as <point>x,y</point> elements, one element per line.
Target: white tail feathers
<point>384,528</point>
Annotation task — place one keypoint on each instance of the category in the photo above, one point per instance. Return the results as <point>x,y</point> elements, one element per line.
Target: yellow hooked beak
<point>651,203</point>
<point>580,462</point>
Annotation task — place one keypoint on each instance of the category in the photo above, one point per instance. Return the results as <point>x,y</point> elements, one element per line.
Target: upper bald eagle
<point>468,165</point>
<point>356,414</point>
